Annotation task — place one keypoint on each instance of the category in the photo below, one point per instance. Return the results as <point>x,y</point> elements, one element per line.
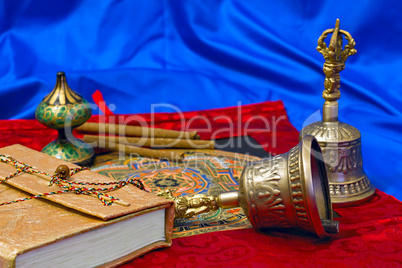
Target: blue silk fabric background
<point>202,54</point>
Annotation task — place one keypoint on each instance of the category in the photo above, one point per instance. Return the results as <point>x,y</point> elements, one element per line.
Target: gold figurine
<point>335,59</point>
<point>340,142</point>
<point>190,206</point>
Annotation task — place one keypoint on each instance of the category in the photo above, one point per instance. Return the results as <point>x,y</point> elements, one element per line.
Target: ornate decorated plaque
<point>202,172</point>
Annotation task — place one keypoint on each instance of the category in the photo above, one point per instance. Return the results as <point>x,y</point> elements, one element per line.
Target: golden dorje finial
<point>335,56</point>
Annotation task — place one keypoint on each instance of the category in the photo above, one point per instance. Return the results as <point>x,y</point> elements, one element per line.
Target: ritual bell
<point>285,191</point>
<point>340,142</point>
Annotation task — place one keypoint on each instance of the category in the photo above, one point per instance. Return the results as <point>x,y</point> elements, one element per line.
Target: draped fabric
<point>370,234</point>
<point>276,136</point>
<point>166,55</point>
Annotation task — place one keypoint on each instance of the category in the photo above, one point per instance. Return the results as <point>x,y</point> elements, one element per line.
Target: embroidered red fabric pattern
<point>370,234</point>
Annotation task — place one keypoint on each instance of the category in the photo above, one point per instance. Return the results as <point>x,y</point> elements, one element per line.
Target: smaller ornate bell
<point>64,109</point>
<point>340,142</point>
<point>285,191</point>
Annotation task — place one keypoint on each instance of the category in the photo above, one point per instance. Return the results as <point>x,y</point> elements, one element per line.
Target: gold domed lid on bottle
<point>62,94</point>
<point>340,142</point>
<point>63,106</point>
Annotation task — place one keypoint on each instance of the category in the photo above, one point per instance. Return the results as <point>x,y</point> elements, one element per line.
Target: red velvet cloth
<point>266,122</point>
<point>370,234</point>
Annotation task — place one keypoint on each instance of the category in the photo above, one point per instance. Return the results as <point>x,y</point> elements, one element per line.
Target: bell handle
<point>190,206</point>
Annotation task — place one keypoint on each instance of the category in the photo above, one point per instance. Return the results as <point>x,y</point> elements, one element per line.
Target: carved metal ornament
<point>340,142</point>
<point>286,191</point>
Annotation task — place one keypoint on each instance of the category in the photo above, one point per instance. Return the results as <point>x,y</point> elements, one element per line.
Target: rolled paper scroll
<point>153,142</point>
<point>127,149</point>
<point>136,131</point>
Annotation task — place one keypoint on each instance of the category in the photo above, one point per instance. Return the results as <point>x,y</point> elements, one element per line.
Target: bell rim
<point>349,201</point>
<point>308,149</point>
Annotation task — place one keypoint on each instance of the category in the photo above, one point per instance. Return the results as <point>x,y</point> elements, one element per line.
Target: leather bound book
<point>75,230</point>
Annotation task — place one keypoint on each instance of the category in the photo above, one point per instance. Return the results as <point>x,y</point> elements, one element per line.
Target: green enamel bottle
<point>64,109</point>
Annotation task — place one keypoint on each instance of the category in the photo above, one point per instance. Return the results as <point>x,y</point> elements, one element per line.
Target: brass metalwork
<point>64,109</point>
<point>286,191</point>
<point>340,142</point>
<point>189,206</point>
<point>335,57</point>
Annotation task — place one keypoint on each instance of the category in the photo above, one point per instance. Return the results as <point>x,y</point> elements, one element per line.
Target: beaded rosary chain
<point>60,178</point>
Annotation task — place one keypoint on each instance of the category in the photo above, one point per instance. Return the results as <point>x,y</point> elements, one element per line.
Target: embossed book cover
<point>74,230</point>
